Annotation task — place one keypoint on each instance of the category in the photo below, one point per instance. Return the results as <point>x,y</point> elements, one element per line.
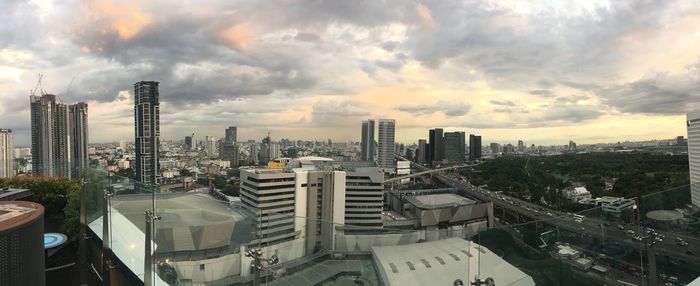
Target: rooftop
<point>442,262</point>
<point>435,201</point>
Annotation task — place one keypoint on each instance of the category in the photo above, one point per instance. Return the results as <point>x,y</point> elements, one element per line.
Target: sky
<point>544,72</point>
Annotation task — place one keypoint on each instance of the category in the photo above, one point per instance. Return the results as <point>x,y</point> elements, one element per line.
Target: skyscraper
<point>231,134</point>
<point>210,146</point>
<point>436,152</point>
<point>693,123</point>
<point>78,137</point>
<point>454,146</point>
<point>229,151</point>
<point>421,153</point>
<point>50,136</point>
<point>147,132</point>
<point>6,154</point>
<point>474,147</point>
<point>521,146</point>
<point>189,142</point>
<point>367,141</point>
<point>385,152</point>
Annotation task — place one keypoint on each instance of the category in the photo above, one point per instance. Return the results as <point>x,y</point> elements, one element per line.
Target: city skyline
<point>602,79</point>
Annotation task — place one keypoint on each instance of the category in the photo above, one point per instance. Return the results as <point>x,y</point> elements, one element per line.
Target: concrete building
<point>435,151</point>
<point>495,148</point>
<point>367,141</point>
<point>51,152</point>
<point>385,146</point>
<point>454,147</point>
<point>210,146</point>
<point>521,146</point>
<point>79,138</point>
<point>422,151</point>
<point>190,144</point>
<point>310,189</point>
<point>576,194</point>
<point>474,147</point>
<point>7,169</point>
<point>229,151</point>
<point>442,262</point>
<point>147,132</point>
<point>693,123</point>
<point>231,134</point>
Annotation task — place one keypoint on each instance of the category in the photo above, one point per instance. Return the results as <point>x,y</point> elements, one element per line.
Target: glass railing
<point>203,238</point>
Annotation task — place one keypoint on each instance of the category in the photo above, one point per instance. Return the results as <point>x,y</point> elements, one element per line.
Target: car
<point>620,227</point>
<point>629,231</point>
<point>550,214</point>
<point>682,243</point>
<point>689,252</point>
<point>606,224</point>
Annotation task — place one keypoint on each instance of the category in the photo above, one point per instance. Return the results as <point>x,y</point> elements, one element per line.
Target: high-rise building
<point>229,151</point>
<point>436,153</point>
<point>147,132</point>
<point>422,152</point>
<point>51,152</point>
<point>693,123</point>
<point>521,146</point>
<point>454,146</point>
<point>189,142</point>
<point>314,195</point>
<point>210,146</point>
<point>7,169</point>
<point>231,134</point>
<point>474,147</point>
<point>680,141</point>
<point>367,141</point>
<point>572,146</point>
<point>79,138</point>
<point>495,148</point>
<point>385,146</point>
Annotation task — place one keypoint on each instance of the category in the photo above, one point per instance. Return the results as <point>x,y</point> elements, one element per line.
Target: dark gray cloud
<point>660,94</point>
<point>541,92</point>
<point>502,102</point>
<point>448,109</point>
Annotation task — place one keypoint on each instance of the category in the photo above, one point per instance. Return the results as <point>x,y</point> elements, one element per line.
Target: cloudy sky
<point>591,71</point>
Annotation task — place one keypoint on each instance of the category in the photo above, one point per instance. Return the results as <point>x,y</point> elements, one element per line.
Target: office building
<point>693,123</point>
<point>229,151</point>
<point>495,148</point>
<point>51,153</point>
<point>474,147</point>
<point>385,146</point>
<point>421,152</point>
<point>210,146</point>
<point>367,141</point>
<point>7,169</point>
<point>147,132</point>
<point>231,134</point>
<point>436,152</point>
<point>79,138</point>
<point>454,146</point>
<point>190,144</point>
<point>521,146</point>
<point>329,196</point>
<point>572,146</point>
<point>680,141</point>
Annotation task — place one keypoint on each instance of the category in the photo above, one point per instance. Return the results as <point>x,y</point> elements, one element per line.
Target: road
<point>563,221</point>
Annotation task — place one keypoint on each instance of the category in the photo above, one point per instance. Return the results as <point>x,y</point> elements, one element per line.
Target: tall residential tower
<point>6,154</point>
<point>385,145</point>
<point>78,125</point>
<point>51,139</point>
<point>693,120</point>
<point>147,132</point>
<point>367,143</point>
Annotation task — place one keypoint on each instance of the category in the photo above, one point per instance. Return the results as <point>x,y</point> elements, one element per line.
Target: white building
<point>576,194</point>
<point>694,156</point>
<point>7,151</point>
<point>385,144</point>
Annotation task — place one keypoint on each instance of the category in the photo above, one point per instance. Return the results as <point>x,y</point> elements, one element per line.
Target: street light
<point>258,264</point>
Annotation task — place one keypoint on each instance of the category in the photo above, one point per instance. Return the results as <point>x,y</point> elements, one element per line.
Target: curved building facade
<point>21,243</point>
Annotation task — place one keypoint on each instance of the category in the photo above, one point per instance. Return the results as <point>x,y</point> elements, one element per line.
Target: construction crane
<point>38,87</point>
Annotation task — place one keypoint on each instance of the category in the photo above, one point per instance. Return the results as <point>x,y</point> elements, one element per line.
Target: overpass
<point>590,226</point>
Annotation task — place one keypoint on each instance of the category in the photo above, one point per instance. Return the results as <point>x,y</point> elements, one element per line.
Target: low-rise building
<point>576,194</point>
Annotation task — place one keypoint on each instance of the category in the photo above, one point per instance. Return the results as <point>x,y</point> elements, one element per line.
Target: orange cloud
<point>126,18</point>
<point>237,36</point>
<point>426,16</point>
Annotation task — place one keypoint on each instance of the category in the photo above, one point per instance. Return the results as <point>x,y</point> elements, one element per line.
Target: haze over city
<point>548,72</point>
